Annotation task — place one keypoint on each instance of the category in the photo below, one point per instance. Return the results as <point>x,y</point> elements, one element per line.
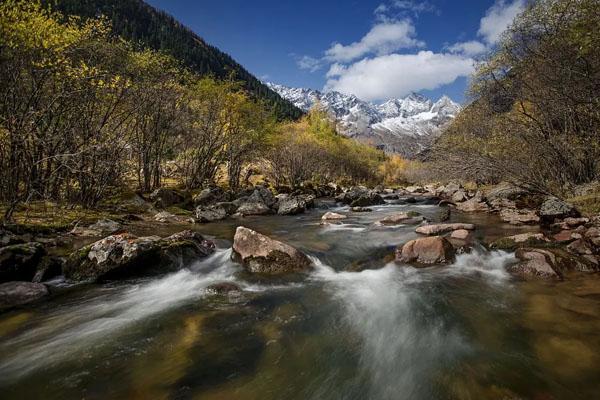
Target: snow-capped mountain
<point>405,126</point>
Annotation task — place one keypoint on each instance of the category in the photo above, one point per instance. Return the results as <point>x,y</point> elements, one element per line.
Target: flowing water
<point>385,331</point>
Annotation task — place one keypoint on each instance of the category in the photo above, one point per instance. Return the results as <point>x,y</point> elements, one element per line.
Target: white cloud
<point>471,48</point>
<point>413,6</point>
<point>396,75</point>
<point>383,38</point>
<point>309,63</point>
<point>498,18</point>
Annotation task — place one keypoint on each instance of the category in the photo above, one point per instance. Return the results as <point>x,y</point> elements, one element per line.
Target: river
<point>358,326</point>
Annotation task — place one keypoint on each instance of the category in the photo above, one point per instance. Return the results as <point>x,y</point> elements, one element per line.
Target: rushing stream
<point>465,331</point>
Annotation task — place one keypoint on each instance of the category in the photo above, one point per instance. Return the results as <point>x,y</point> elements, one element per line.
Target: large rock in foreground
<point>126,255</point>
<point>19,293</point>
<point>429,250</point>
<point>261,254</point>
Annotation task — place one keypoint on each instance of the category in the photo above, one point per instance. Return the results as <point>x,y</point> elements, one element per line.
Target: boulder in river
<point>125,255</point>
<point>291,205</point>
<point>19,262</point>
<point>14,294</point>
<point>429,250</point>
<point>436,229</point>
<point>476,204</point>
<point>210,196</point>
<point>261,254</point>
<point>215,212</point>
<point>360,196</point>
<point>535,263</point>
<point>554,208</point>
<point>460,234</point>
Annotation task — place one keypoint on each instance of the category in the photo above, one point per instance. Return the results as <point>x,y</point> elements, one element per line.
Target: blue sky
<point>376,49</point>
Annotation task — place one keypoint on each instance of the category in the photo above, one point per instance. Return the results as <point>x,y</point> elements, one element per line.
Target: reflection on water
<point>465,331</point>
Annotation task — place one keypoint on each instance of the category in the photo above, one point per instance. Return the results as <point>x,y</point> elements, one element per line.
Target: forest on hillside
<point>146,27</point>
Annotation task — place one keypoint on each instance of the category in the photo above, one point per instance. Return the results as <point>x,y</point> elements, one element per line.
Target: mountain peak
<point>414,117</point>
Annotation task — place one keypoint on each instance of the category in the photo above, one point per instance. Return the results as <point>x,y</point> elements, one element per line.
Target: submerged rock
<point>19,262</point>
<point>126,255</point>
<point>221,288</point>
<point>399,218</point>
<point>519,217</point>
<point>331,216</point>
<point>429,250</point>
<point>14,294</point>
<point>436,229</point>
<point>261,254</point>
<point>361,209</point>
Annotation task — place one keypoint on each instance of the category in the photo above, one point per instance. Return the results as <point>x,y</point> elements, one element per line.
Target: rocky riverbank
<point>556,240</point>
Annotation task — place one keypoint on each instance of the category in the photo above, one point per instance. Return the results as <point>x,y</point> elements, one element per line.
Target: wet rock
<point>361,209</point>
<point>575,222</point>
<point>18,262</point>
<point>166,217</point>
<point>8,238</point>
<point>125,255</point>
<point>580,247</point>
<point>528,239</point>
<point>163,198</point>
<point>210,196</point>
<point>429,250</point>
<point>436,229</point>
<point>102,227</point>
<point>563,236</point>
<point>553,208</point>
<point>309,200</point>
<point>210,213</point>
<point>261,254</point>
<point>399,218</point>
<point>443,215</point>
<point>14,294</point>
<point>476,204</point>
<point>460,234</point>
<point>535,263</point>
<point>519,217</point>
<point>415,189</point>
<point>222,288</point>
<point>331,216</point>
<point>260,202</point>
<point>459,196</point>
<point>360,196</point>
<point>50,267</point>
<point>291,206</point>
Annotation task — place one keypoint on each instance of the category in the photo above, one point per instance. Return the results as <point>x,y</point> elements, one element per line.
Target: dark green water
<point>466,331</point>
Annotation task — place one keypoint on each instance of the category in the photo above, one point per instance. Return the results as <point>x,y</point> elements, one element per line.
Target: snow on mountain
<point>405,126</point>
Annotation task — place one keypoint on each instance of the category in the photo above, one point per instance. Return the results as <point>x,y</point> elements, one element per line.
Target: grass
<point>47,217</point>
<point>588,204</point>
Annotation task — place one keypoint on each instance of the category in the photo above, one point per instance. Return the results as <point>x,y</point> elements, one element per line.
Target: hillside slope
<point>139,22</point>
